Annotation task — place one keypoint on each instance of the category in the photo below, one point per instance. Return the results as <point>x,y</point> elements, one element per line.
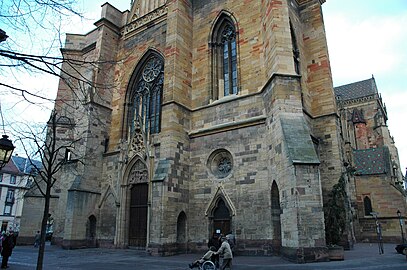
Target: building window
<point>224,58</point>
<point>7,209</point>
<point>367,205</point>
<point>146,95</point>
<point>4,226</point>
<point>220,163</point>
<point>68,154</point>
<point>12,179</point>
<point>10,196</point>
<point>296,51</point>
<point>1,177</point>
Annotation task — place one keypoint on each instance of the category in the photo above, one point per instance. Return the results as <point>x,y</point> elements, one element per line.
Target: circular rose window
<point>220,163</point>
<point>152,69</point>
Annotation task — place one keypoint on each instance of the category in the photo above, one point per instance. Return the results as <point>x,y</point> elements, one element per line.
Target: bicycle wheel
<point>208,265</point>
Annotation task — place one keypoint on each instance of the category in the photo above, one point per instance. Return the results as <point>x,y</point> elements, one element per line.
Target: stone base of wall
<point>25,240</point>
<point>385,239</point>
<point>75,244</point>
<point>261,247</point>
<point>243,247</point>
<point>164,250</point>
<point>106,243</point>
<point>306,254</point>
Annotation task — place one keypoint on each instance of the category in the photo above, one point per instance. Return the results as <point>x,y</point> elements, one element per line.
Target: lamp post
<point>3,35</point>
<point>6,149</point>
<point>378,232</point>
<point>401,225</point>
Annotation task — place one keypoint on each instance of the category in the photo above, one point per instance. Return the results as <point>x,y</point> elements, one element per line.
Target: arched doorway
<point>275,217</point>
<point>138,215</point>
<point>91,231</point>
<point>182,232</point>
<point>221,218</point>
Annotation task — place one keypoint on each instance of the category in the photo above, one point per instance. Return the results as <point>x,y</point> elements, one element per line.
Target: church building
<point>195,117</point>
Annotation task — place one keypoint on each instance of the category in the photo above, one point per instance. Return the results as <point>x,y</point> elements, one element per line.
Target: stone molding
<point>109,190</point>
<point>137,25</point>
<point>220,193</point>
<point>356,100</point>
<point>254,121</point>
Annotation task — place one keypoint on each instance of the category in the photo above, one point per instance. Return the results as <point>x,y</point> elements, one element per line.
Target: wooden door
<point>221,218</point>
<point>222,225</point>
<point>138,216</point>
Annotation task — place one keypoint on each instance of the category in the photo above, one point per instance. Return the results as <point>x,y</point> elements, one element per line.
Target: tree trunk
<point>44,227</point>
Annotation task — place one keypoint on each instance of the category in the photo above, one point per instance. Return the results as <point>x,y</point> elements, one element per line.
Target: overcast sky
<point>365,38</point>
<point>369,37</point>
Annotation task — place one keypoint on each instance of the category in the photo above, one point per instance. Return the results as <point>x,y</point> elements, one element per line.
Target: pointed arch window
<point>367,205</point>
<point>146,95</point>
<point>296,51</point>
<point>224,58</point>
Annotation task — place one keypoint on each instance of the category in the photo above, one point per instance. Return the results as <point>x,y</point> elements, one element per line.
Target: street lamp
<point>3,35</point>
<point>401,225</point>
<point>378,232</point>
<point>6,149</point>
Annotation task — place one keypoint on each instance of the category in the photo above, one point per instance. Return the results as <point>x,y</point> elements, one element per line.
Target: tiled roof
<point>24,165</point>
<point>10,168</point>
<point>372,161</point>
<point>356,90</point>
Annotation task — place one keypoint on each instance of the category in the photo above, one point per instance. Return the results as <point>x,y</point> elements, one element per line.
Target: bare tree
<point>30,42</point>
<point>77,75</point>
<point>52,154</point>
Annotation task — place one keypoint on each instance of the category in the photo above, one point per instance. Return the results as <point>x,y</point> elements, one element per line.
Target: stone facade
<point>370,148</point>
<point>248,138</point>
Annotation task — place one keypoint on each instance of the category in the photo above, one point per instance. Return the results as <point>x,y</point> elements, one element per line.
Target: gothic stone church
<point>202,116</point>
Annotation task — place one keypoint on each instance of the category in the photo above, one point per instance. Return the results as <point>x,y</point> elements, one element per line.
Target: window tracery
<point>220,163</point>
<point>147,96</point>
<point>224,58</point>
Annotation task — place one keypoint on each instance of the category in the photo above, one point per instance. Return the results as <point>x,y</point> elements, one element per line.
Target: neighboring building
<point>377,183</point>
<point>200,116</point>
<point>14,183</point>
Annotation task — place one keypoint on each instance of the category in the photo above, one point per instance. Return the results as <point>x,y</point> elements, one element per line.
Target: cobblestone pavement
<point>363,256</point>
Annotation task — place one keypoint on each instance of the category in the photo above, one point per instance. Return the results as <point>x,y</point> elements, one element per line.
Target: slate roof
<point>372,161</point>
<point>24,165</point>
<point>356,90</point>
<point>10,168</point>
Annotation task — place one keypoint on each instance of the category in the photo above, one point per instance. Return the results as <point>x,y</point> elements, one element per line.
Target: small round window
<point>220,163</point>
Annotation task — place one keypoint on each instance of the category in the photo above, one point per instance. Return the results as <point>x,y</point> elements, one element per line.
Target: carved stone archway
<point>138,208</point>
<point>133,218</point>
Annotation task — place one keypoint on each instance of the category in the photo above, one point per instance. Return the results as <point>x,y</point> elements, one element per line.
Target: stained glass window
<point>224,58</point>
<point>148,95</point>
<point>228,41</point>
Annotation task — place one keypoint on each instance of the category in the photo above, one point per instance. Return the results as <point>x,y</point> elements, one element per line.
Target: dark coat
<point>214,241</point>
<point>8,245</point>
